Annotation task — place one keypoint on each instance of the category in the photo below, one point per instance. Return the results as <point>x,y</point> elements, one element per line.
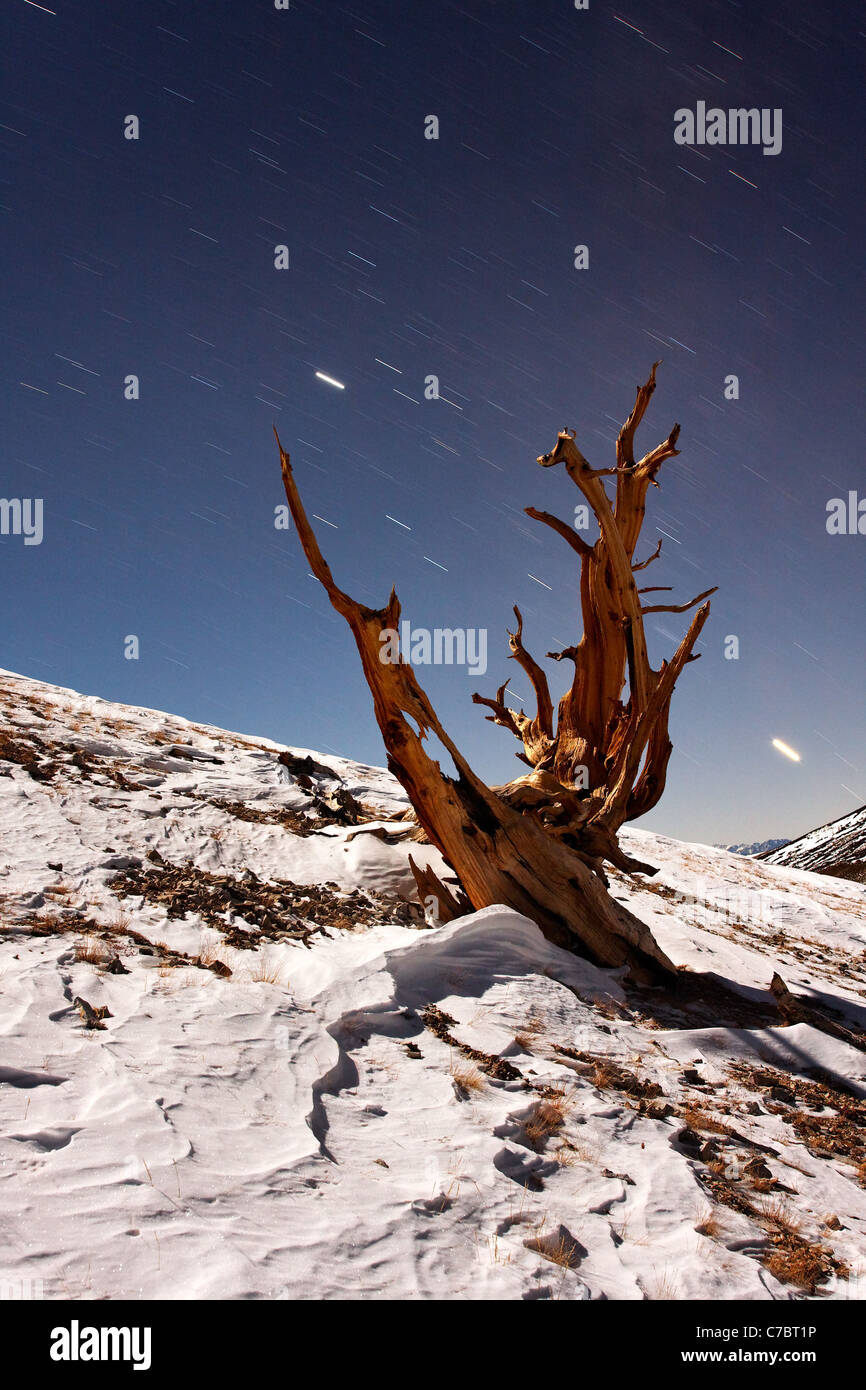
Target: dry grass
<point>266,972</point>
<point>561,1253</point>
<point>569,1155</point>
<point>166,964</point>
<point>92,950</point>
<point>560,1247</point>
<point>58,891</point>
<point>778,1215</point>
<point>529,1033</point>
<point>794,1259</point>
<point>662,1288</point>
<point>698,1120</point>
<point>466,1078</point>
<point>48,922</point>
<point>496,1254</point>
<point>455,1173</point>
<point>547,1116</point>
<point>208,951</point>
<point>803,1264</point>
<point>764,1184</point>
<point>709,1225</point>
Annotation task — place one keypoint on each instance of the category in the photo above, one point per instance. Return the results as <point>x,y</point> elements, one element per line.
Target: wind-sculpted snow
<point>378,1108</point>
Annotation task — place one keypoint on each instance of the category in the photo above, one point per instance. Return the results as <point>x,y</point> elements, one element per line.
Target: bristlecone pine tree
<point>538,843</point>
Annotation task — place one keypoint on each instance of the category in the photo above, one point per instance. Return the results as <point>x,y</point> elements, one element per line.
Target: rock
<point>655,1110</point>
<point>687,1139</point>
<point>219,967</point>
<point>116,967</point>
<point>757,1168</point>
<point>783,1094</point>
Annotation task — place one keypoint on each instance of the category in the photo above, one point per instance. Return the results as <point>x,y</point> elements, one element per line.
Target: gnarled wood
<point>615,748</point>
<point>498,855</point>
<point>539,843</point>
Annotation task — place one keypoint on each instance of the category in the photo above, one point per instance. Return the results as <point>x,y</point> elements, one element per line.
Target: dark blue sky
<point>451,257</point>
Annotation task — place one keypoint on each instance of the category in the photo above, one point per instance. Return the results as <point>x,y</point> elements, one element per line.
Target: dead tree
<point>538,843</point>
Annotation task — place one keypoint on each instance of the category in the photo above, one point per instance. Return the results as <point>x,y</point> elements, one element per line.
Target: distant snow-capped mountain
<point>758,847</point>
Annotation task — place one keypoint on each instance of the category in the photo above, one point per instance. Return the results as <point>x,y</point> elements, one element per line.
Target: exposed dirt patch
<point>279,911</point>
<point>293,821</point>
<point>824,1113</point>
<point>608,1075</point>
<point>726,1192</point>
<point>44,759</point>
<point>341,808</point>
<point>854,870</point>
<point>441,1024</point>
<point>30,753</point>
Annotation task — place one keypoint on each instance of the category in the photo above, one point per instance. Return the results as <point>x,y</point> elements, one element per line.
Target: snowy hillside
<point>837,848</point>
<point>237,1063</point>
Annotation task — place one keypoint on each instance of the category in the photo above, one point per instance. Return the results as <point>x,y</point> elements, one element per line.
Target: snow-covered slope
<point>299,1089</point>
<point>836,848</point>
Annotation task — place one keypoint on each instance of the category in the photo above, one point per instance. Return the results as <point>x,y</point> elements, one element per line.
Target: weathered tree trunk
<point>537,844</point>
<point>614,754</point>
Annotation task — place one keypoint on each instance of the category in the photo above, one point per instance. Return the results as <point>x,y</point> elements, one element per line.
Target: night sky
<point>454,257</point>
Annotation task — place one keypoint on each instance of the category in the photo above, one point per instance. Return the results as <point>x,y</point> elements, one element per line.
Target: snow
<point>298,1129</point>
<point>840,841</point>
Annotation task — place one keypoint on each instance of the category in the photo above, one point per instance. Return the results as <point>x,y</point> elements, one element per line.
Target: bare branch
<point>655,555</point>
<point>679,607</point>
<point>625,438</point>
<point>561,528</point>
<point>632,747</point>
<point>652,462</point>
<point>565,449</point>
<point>544,717</point>
<point>501,713</point>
